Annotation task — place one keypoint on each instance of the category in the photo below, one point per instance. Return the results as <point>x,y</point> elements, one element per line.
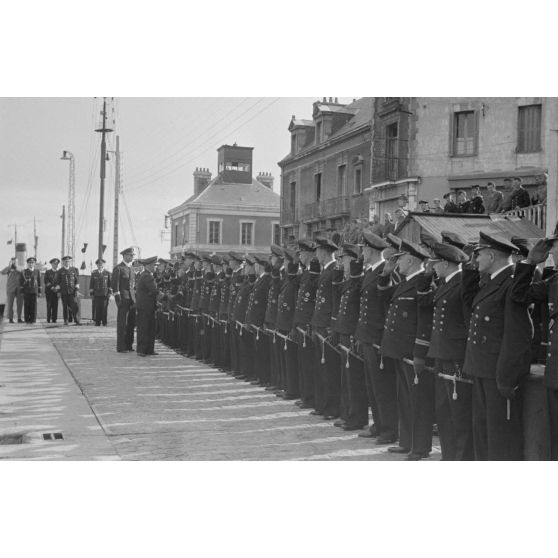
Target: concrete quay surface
<point>69,380</point>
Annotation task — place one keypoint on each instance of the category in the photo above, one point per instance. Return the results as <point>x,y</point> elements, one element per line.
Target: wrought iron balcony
<point>326,208</point>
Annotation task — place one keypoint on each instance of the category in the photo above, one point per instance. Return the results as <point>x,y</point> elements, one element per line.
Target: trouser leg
<point>444,419</point>
<point>291,366</point>
<point>552,397</point>
<point>11,297</point>
<point>332,382</point>
<point>404,379</point>
<point>422,405</point>
<point>319,375</point>
<point>480,434</point>
<point>357,414</point>
<point>142,337</point>
<point>130,325</point>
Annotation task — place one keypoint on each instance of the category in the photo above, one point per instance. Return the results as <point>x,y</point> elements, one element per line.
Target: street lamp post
<point>70,218</point>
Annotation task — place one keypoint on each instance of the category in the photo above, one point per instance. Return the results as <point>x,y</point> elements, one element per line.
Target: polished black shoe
<point>330,417</point>
<point>315,412</point>
<point>398,449</point>
<point>122,351</point>
<point>141,354</point>
<point>305,405</point>
<point>20,321</point>
<point>240,377</point>
<point>279,393</point>
<point>288,397</point>
<point>349,427</point>
<point>255,382</point>
<point>367,434</point>
<point>152,354</point>
<point>381,440</point>
<point>339,422</point>
<point>11,321</point>
<point>270,388</point>
<point>417,456</point>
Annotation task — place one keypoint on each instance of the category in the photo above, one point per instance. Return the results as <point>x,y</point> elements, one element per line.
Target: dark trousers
<point>51,306</point>
<point>191,341</point>
<point>234,342</point>
<point>415,403</point>
<point>100,305</point>
<point>225,346</point>
<point>496,438</point>
<point>305,355</point>
<point>327,378</point>
<point>319,373</point>
<point>381,386</point>
<point>30,308</point>
<point>454,414</point>
<point>69,304</point>
<point>275,347</point>
<point>146,331</point>
<point>291,369</point>
<point>246,351</point>
<point>262,357</point>
<point>18,298</point>
<point>552,396</point>
<point>125,324</point>
<point>356,406</point>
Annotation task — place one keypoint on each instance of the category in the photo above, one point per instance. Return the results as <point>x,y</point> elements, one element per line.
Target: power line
<point>184,163</point>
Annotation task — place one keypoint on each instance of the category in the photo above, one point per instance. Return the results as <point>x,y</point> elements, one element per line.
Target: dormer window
<point>293,144</point>
<point>236,166</point>
<point>318,132</point>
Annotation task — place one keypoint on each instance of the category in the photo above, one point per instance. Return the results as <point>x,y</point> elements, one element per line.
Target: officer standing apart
<point>31,285</point>
<point>66,282</point>
<point>50,294</point>
<point>99,289</point>
<point>146,302</point>
<point>123,283</point>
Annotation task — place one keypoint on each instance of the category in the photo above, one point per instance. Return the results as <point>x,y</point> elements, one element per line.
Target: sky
<point>162,141</point>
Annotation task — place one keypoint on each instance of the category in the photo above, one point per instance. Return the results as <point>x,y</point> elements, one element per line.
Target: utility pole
<point>70,236</point>
<point>63,217</point>
<point>116,200</point>
<point>103,130</point>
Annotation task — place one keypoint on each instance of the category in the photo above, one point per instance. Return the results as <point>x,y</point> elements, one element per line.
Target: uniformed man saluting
<point>50,294</point>
<point>123,284</point>
<point>146,302</point>
<point>100,290</point>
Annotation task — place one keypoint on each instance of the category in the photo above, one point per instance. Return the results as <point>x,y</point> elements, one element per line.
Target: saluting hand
<point>540,251</point>
<point>390,265</point>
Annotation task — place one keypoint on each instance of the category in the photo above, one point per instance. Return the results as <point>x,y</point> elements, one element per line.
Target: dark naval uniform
<point>498,358</point>
<point>51,296</point>
<point>31,286</point>
<point>123,284</point>
<point>99,289</point>
<point>379,371</point>
<point>245,363</point>
<point>286,302</point>
<point>237,279</point>
<point>326,356</point>
<point>304,308</point>
<point>354,398</point>
<point>447,347</point>
<point>213,311</point>
<point>146,302</point>
<point>255,314</point>
<point>269,320</point>
<point>526,290</point>
<point>67,284</point>
<point>224,329</point>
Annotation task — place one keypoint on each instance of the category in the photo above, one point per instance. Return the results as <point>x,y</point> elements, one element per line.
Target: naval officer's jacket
<point>500,331</point>
<point>205,293</point>
<point>237,279</point>
<point>286,301</point>
<point>242,297</point>
<point>146,292</point>
<point>67,280</point>
<point>31,281</point>
<point>49,280</point>
<point>224,298</point>
<point>196,291</point>
<point>448,339</point>
<point>99,284</point>
<point>400,328</point>
<point>525,290</point>
<point>306,298</point>
<point>257,302</point>
<point>215,296</point>
<point>372,310</point>
<point>122,282</point>
<point>321,318</point>
<point>188,286</point>
<point>273,298</point>
<point>349,305</point>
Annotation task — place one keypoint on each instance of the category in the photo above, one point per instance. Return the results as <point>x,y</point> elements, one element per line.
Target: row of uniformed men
<point>418,335</point>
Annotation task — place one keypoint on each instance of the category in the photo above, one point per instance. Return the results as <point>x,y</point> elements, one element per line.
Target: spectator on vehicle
<point>540,195</point>
<point>451,206</point>
<point>494,199</point>
<point>520,196</point>
<point>507,195</point>
<point>476,203</point>
<point>436,206</point>
<point>402,202</point>
<point>399,217</point>
<point>424,207</point>
<point>375,226</point>
<point>463,204</point>
<point>389,226</point>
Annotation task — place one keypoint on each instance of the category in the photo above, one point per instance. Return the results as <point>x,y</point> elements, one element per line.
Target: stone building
<point>424,147</point>
<point>232,211</point>
<point>324,176</point>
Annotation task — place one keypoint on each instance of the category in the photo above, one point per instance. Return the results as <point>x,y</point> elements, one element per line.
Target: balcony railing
<point>326,208</point>
<point>534,213</point>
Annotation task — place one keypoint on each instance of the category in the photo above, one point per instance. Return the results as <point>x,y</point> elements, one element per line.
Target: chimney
<point>266,178</point>
<point>202,177</point>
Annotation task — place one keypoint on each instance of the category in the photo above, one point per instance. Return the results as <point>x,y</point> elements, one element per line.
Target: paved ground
<point>110,405</point>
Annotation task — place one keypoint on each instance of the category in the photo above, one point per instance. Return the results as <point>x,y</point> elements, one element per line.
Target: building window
<point>464,133</point>
<point>392,150</point>
<point>358,180</point>
<point>529,129</point>
<point>236,166</point>
<point>246,233</point>
<point>318,186</point>
<point>292,197</point>
<point>214,232</point>
<point>275,233</point>
<point>341,174</point>
<point>176,234</point>
<point>293,144</point>
<point>184,232</point>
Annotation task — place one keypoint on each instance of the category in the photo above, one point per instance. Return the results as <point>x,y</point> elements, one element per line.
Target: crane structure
<point>71,208</point>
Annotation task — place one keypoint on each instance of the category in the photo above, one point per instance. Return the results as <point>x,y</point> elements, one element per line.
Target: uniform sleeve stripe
<point>422,342</point>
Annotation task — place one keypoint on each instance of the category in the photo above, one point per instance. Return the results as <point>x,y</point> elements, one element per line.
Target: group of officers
<point>420,334</point>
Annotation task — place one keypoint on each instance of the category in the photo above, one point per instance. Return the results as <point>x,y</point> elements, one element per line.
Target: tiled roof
<point>467,226</point>
<point>221,194</point>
